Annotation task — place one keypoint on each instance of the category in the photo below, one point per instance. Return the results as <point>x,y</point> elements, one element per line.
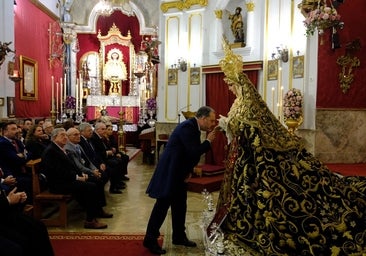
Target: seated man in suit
<point>113,162</point>
<point>63,177</point>
<point>13,159</point>
<point>111,143</point>
<point>76,153</point>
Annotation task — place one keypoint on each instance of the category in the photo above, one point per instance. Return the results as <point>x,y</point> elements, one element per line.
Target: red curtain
<point>220,98</point>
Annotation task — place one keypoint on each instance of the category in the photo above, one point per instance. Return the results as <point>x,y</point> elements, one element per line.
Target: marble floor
<point>132,209</point>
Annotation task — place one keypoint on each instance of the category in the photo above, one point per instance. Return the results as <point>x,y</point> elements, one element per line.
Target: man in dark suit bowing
<point>169,181</point>
<point>63,177</point>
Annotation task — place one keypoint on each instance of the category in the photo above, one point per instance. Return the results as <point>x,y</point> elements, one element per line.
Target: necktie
<point>15,145</point>
<point>78,150</point>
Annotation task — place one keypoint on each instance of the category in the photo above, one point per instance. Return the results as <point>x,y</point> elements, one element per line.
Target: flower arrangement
<point>321,18</point>
<point>151,103</point>
<point>70,102</point>
<point>292,104</point>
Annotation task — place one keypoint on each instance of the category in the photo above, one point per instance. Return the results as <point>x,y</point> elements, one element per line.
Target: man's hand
<point>10,180</point>
<point>16,197</point>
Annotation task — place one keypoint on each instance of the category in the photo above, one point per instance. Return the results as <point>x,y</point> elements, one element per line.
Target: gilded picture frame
<point>195,75</point>
<point>272,70</point>
<point>2,102</point>
<point>298,66</point>
<point>29,83</point>
<point>172,76</point>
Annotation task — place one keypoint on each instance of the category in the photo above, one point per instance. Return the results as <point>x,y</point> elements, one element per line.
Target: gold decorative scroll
<point>180,5</point>
<point>348,62</point>
<point>218,14</point>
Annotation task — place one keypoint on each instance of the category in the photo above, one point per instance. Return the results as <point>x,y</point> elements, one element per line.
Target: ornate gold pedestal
<point>293,124</point>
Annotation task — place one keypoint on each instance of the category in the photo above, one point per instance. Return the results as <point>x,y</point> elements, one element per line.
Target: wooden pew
<point>40,197</point>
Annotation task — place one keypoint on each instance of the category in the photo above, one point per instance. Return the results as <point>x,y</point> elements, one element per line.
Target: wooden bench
<point>40,197</point>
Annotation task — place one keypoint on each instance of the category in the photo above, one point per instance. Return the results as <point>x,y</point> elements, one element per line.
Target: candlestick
<point>52,93</point>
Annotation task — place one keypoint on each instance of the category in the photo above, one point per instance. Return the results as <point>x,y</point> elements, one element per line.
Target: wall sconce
<point>282,54</point>
<point>181,65</point>
<point>13,70</point>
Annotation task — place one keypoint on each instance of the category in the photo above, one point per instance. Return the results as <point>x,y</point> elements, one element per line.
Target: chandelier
<point>104,8</point>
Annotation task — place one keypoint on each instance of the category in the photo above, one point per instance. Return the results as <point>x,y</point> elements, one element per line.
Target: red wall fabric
<point>31,40</point>
<point>329,93</point>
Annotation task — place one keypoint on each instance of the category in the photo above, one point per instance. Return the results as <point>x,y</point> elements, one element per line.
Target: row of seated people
<point>77,161</point>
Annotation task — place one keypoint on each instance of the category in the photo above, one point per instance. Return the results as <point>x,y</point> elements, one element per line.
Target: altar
<point>113,104</point>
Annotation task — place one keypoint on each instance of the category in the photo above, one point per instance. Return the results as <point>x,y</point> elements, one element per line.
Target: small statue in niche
<point>115,71</point>
<point>237,25</point>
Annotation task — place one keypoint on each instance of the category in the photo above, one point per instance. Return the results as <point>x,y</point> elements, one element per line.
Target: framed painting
<point>195,76</point>
<point>10,103</point>
<point>172,76</point>
<point>298,65</point>
<point>272,69</point>
<point>29,83</point>
<point>1,102</point>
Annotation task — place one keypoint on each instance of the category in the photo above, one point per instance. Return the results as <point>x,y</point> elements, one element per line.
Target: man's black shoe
<point>115,191</point>
<point>121,186</point>
<point>153,247</point>
<point>185,242</point>
<point>125,178</point>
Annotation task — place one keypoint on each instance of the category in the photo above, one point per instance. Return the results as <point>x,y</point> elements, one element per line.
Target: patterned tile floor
<point>132,209</point>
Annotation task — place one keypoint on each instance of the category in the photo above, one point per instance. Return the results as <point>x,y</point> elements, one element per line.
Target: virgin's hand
<point>222,122</point>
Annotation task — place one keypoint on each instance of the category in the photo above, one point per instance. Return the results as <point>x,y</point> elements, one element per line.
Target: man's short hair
<point>204,111</point>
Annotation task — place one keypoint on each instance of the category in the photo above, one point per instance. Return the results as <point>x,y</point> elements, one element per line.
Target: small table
<point>159,143</point>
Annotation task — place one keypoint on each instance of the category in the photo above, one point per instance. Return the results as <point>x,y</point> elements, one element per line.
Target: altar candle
<point>76,94</point>
<point>52,93</point>
<point>273,99</point>
<point>61,93</point>
<point>81,93</point>
<point>65,85</point>
<point>57,97</point>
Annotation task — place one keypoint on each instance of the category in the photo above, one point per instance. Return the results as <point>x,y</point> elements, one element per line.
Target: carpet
<point>348,169</point>
<point>210,183</point>
<point>96,244</point>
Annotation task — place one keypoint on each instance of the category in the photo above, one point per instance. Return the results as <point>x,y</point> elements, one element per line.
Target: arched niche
<point>116,42</point>
<point>89,64</point>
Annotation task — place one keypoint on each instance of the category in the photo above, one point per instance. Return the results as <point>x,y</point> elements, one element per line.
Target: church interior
<point>149,65</point>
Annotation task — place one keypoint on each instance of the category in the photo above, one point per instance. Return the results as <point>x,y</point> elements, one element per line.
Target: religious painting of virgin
<point>298,64</point>
<point>272,69</point>
<point>195,76</point>
<point>172,76</point>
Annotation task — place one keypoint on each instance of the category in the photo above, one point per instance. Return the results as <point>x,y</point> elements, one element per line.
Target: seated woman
<point>280,199</point>
<point>35,142</point>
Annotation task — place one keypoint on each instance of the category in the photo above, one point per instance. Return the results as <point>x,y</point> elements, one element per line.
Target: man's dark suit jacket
<point>10,162</point>
<point>181,154</point>
<point>90,152</point>
<point>59,169</point>
<point>99,146</point>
